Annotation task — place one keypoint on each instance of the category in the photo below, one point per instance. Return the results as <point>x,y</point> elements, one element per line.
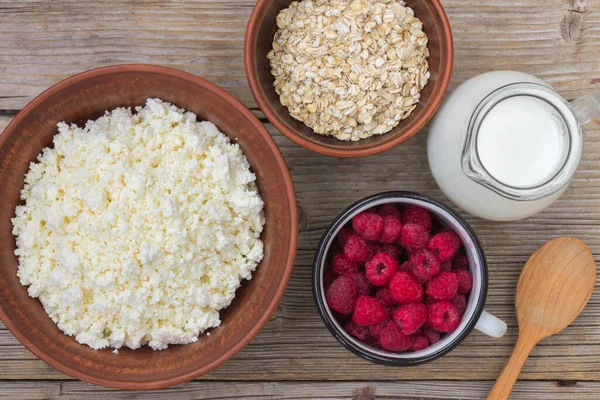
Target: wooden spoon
<point>555,285</point>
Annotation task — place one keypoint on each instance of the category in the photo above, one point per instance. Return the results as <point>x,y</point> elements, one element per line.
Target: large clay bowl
<point>87,96</point>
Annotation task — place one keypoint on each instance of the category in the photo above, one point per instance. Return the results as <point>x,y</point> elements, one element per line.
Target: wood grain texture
<point>4,120</point>
<point>554,287</point>
<point>367,390</point>
<point>557,40</point>
<point>296,345</point>
<point>46,41</point>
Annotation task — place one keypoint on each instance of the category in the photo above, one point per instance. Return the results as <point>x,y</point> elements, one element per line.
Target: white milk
<point>522,143</point>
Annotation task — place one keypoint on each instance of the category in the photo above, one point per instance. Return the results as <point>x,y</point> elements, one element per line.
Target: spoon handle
<point>510,373</point>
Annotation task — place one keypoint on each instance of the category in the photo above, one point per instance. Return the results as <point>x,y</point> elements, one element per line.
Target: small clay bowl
<point>87,96</point>
<point>258,42</point>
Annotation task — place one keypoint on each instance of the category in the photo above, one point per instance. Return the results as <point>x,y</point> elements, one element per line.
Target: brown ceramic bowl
<point>87,96</point>
<point>258,42</point>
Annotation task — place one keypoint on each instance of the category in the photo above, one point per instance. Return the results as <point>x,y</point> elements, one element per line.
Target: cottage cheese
<point>138,228</point>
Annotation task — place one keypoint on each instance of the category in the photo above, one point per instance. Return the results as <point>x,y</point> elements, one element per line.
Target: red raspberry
<point>343,266</point>
<point>392,229</point>
<point>419,341</point>
<point>405,289</point>
<point>390,249</point>
<point>410,317</point>
<point>363,286</point>
<point>392,339</point>
<point>418,216</point>
<point>368,225</point>
<point>357,249</point>
<point>343,235</point>
<point>465,281</point>
<point>381,268</point>
<point>443,287</point>
<point>433,336</point>
<point>460,262</point>
<point>368,311</point>
<point>360,332</point>
<point>375,330</point>
<point>460,302</point>
<point>389,210</point>
<point>384,295</point>
<point>443,316</point>
<point>444,245</point>
<point>413,237</point>
<point>341,295</point>
<point>424,265</point>
<point>446,266</point>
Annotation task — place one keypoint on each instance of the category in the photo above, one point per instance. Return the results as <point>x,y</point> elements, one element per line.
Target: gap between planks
<point>359,390</point>
<point>274,354</point>
<point>39,49</point>
<point>44,43</point>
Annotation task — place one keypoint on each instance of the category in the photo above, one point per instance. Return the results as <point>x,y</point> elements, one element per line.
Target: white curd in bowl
<point>139,227</point>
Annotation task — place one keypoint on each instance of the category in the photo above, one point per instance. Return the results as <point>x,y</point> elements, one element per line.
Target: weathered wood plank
<point>425,390</point>
<point>4,120</point>
<point>296,345</point>
<point>557,40</point>
<point>44,42</point>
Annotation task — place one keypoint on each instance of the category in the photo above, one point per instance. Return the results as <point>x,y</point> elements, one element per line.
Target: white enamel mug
<point>475,317</point>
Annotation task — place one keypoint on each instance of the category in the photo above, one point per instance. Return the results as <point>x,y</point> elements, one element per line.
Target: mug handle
<point>491,325</point>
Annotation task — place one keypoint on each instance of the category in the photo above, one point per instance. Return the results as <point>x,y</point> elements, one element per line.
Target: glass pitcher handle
<point>586,108</point>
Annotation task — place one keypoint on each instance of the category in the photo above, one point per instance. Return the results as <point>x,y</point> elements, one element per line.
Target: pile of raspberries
<point>397,280</point>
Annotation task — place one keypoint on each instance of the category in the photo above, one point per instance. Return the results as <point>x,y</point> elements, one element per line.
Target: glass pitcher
<point>504,145</point>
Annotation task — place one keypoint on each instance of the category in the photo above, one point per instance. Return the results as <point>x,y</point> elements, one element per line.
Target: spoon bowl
<point>555,285</point>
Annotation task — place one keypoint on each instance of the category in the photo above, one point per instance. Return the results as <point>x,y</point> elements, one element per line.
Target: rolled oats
<point>349,69</point>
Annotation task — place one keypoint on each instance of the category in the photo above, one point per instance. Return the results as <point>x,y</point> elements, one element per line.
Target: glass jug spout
<point>524,141</point>
<point>586,108</point>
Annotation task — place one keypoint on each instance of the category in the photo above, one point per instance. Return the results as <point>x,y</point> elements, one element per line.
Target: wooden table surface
<point>42,42</point>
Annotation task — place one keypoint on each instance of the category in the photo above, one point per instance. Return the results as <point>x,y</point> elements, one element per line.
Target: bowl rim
<point>447,58</point>
<point>238,106</point>
<point>340,335</point>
